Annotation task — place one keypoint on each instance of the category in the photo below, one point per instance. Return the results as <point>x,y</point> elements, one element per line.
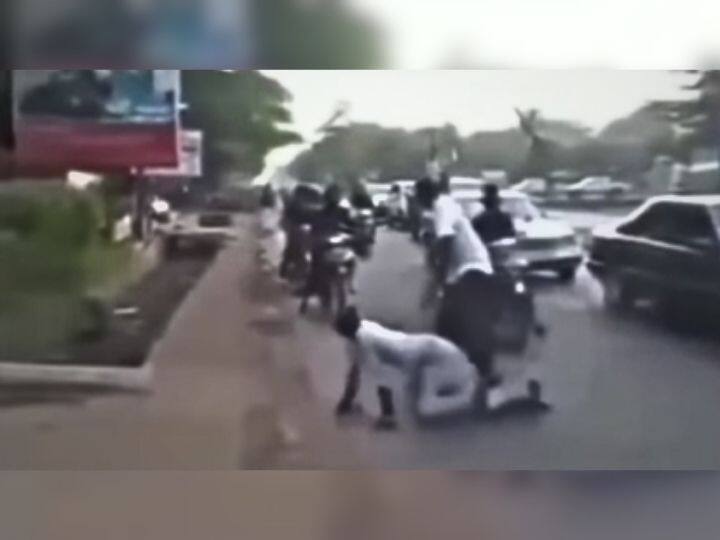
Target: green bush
<point>52,254</point>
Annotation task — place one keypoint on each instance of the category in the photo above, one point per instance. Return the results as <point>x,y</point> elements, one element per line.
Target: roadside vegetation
<point>54,259</point>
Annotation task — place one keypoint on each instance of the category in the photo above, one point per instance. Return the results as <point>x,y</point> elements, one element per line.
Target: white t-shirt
<point>383,352</point>
<point>468,251</point>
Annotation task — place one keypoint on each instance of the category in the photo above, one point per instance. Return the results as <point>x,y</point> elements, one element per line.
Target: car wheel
<point>567,275</point>
<point>617,293</point>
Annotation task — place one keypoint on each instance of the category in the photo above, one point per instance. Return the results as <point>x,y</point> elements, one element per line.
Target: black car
<point>667,251</point>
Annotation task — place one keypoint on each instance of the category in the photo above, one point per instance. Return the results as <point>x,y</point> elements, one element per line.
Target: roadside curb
<point>135,378</point>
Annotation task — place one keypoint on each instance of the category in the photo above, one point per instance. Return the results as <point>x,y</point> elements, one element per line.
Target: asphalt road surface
<point>626,392</point>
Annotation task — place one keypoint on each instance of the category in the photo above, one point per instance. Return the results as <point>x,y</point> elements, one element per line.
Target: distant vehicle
<point>464,183</point>
<point>667,251</point>
<point>698,178</point>
<point>596,186</point>
<point>495,176</point>
<point>379,193</point>
<point>542,243</point>
<point>531,186</point>
<point>210,228</point>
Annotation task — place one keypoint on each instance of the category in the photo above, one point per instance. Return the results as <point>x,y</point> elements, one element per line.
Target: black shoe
<point>344,409</point>
<point>386,423</point>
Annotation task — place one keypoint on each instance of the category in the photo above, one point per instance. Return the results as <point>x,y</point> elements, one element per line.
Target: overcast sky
<point>471,100</point>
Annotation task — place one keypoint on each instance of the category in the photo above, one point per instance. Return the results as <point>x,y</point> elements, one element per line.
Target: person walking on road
<point>470,305</point>
<point>272,236</point>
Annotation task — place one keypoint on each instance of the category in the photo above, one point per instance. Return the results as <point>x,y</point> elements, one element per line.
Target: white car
<point>195,228</point>
<point>531,186</point>
<point>597,186</point>
<point>378,192</point>
<point>464,184</point>
<point>542,243</point>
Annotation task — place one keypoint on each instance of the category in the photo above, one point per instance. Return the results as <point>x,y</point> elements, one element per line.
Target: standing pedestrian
<point>470,305</point>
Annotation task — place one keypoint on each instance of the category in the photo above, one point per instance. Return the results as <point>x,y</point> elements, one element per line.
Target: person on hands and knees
<point>444,381</point>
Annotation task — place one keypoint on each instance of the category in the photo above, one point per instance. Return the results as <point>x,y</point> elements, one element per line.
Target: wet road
<point>626,392</point>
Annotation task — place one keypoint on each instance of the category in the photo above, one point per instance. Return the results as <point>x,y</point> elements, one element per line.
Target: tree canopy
<point>242,115</point>
<point>627,145</point>
<point>697,118</point>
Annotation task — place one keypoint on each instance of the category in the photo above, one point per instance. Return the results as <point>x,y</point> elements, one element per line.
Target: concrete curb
<point>136,379</point>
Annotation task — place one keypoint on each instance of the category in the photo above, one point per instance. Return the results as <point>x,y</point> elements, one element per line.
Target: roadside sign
<point>190,159</point>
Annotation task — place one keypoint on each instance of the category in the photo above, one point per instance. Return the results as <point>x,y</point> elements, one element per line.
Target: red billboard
<point>96,119</point>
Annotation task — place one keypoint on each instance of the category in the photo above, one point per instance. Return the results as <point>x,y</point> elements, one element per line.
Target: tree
<point>697,119</point>
<point>241,115</point>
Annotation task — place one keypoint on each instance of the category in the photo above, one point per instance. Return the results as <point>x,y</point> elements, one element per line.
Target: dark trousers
<point>468,313</point>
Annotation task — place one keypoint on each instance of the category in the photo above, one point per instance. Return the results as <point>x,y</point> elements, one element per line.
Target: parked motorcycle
<point>518,319</point>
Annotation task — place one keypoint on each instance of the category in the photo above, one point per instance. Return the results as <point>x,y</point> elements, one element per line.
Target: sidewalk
<point>229,392</point>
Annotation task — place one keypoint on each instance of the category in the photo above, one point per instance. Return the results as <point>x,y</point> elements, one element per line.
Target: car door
<point>693,251</point>
<point>641,250</point>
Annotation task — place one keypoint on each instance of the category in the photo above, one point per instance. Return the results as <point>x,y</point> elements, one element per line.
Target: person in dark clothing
<point>471,304</point>
<point>332,219</point>
<point>493,223</point>
<point>361,199</point>
<point>293,219</point>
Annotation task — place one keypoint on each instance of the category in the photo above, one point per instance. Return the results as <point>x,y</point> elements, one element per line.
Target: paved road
<point>627,393</point>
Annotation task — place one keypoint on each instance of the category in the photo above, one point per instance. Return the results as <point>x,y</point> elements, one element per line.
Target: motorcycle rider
<point>294,217</point>
<point>493,223</point>
<point>361,199</point>
<point>470,305</point>
<point>332,219</point>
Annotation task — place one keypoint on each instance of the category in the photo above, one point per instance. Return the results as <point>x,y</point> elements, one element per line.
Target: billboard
<point>96,119</point>
<point>190,162</point>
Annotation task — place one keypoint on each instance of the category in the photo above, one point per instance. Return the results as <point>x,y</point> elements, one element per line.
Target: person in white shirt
<point>471,303</point>
<point>444,380</point>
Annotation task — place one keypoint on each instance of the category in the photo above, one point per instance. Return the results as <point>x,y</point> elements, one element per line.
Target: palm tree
<point>542,151</point>
<point>698,119</point>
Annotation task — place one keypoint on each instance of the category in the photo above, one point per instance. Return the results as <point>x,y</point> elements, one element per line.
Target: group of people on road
<point>452,370</point>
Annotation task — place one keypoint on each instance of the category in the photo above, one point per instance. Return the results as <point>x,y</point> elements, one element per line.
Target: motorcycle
<point>364,230</point>
<point>517,320</point>
<point>337,271</point>
<point>296,268</point>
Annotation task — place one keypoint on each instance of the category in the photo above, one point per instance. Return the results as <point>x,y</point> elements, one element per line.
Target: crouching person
<point>442,380</point>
